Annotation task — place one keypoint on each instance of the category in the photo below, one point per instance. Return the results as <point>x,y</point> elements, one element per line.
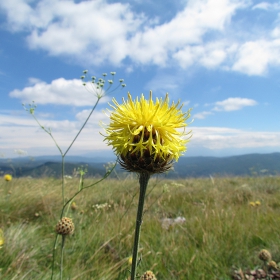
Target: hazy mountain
<point>243,165</point>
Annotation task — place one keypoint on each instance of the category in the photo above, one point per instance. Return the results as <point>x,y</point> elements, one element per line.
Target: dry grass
<point>221,229</point>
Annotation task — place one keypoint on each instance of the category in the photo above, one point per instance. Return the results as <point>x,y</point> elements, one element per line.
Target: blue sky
<point>219,57</point>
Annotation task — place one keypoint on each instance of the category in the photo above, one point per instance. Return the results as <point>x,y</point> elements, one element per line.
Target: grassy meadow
<point>222,227</point>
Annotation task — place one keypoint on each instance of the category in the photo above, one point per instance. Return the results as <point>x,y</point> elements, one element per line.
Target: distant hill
<point>40,168</point>
<point>243,165</point>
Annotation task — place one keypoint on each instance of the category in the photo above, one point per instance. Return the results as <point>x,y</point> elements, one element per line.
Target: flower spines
<point>65,226</point>
<point>147,160</point>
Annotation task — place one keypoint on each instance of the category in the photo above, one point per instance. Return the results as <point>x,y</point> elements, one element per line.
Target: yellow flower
<point>74,206</point>
<point>252,203</point>
<point>148,136</point>
<point>1,238</point>
<point>257,203</point>
<point>8,177</point>
<point>129,260</point>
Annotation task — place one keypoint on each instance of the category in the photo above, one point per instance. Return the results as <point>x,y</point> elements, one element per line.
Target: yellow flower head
<point>129,260</point>
<point>258,203</point>
<point>8,177</point>
<point>2,241</point>
<point>147,135</point>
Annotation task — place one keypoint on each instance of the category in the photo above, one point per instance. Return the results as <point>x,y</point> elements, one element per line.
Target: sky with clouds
<point>219,57</point>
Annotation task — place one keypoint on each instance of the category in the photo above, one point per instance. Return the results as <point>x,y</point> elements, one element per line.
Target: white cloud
<point>217,138</point>
<point>92,30</point>
<point>187,27</point>
<point>253,58</point>
<point>22,132</point>
<point>209,55</point>
<point>227,105</point>
<point>200,34</point>
<point>267,6</point>
<point>202,115</point>
<point>233,104</point>
<point>115,32</point>
<point>59,92</point>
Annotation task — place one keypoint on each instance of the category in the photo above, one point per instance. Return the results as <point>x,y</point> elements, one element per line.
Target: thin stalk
<point>61,257</point>
<point>107,174</point>
<point>98,98</point>
<point>62,180</point>
<point>67,202</point>
<point>53,258</point>
<point>48,132</point>
<point>143,181</point>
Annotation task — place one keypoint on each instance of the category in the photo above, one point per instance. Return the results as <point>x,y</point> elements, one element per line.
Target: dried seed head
<point>148,275</point>
<point>65,226</point>
<point>264,255</point>
<point>273,265</point>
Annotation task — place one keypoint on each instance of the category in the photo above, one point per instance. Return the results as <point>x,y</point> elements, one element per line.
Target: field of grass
<point>221,228</point>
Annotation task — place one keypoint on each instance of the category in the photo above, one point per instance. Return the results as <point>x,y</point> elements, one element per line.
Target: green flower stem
<point>61,256</point>
<point>62,179</point>
<point>53,256</point>
<point>143,181</point>
<point>93,108</point>
<point>67,203</point>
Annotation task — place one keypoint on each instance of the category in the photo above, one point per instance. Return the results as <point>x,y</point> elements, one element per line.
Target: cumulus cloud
<point>233,104</point>
<point>209,55</point>
<point>253,58</point>
<point>115,32</point>
<point>87,30</point>
<point>202,115</point>
<point>227,105</point>
<point>59,92</point>
<point>186,28</point>
<point>202,33</point>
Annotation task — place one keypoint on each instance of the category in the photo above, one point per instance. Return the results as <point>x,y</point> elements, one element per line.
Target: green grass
<point>221,229</point>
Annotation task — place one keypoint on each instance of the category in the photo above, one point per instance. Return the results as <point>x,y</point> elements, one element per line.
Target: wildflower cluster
<point>103,206</point>
<point>255,203</point>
